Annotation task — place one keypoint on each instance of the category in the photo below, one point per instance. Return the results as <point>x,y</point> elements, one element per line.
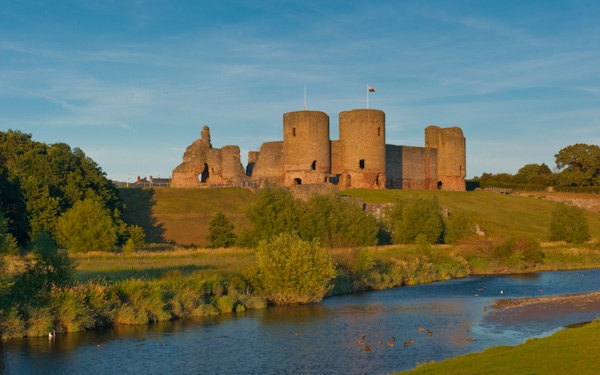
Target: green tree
<point>8,243</point>
<point>50,266</point>
<point>534,174</point>
<point>39,182</point>
<point>569,223</point>
<point>580,164</point>
<point>290,270</point>
<point>416,218</point>
<point>136,238</point>
<point>337,222</point>
<point>87,226</point>
<point>220,231</point>
<point>275,211</point>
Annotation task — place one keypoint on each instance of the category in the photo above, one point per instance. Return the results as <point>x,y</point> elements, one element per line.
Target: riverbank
<point>145,287</point>
<point>569,351</point>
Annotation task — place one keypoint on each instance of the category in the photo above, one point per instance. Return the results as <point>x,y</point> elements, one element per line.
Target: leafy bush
<point>290,270</point>
<point>49,267</point>
<point>275,211</point>
<point>220,231</point>
<point>568,223</point>
<point>337,222</point>
<point>87,226</point>
<point>458,226</point>
<point>416,218</point>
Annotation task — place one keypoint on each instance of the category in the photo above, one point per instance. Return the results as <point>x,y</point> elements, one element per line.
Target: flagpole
<point>305,97</point>
<point>367,96</point>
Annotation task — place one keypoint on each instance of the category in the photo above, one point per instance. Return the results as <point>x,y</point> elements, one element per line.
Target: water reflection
<point>321,338</point>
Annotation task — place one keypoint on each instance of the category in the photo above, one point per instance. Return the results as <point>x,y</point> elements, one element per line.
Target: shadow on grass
<point>148,273</point>
<point>138,211</point>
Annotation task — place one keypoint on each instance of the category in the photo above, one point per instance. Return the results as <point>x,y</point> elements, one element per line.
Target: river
<point>324,338</point>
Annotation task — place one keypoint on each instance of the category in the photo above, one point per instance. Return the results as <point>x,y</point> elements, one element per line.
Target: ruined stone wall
<point>411,167</point>
<point>204,166</point>
<point>269,164</point>
<point>252,158</point>
<point>451,156</point>
<point>231,165</point>
<point>362,149</point>
<point>306,147</point>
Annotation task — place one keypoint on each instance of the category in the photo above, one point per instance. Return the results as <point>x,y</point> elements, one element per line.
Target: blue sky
<point>132,83</point>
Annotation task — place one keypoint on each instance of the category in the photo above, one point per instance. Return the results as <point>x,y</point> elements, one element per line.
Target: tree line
<point>60,192</point>
<point>577,165</point>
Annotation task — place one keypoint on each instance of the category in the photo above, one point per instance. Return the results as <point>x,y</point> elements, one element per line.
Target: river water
<point>314,339</point>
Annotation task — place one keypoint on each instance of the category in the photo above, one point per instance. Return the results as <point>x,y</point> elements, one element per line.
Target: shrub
<point>291,270</point>
<point>224,304</point>
<point>337,222</point>
<point>50,266</point>
<point>458,227</point>
<point>220,231</point>
<point>11,324</point>
<point>416,218</point>
<point>87,226</point>
<point>568,223</point>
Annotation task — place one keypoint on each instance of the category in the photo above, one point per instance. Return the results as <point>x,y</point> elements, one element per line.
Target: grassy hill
<point>181,216</point>
<point>495,213</point>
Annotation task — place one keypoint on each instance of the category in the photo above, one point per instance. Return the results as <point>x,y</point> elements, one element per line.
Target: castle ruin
<point>307,156</point>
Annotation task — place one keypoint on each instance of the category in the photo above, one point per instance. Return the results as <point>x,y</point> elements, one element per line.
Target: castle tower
<point>451,156</point>
<point>306,148</point>
<point>362,149</point>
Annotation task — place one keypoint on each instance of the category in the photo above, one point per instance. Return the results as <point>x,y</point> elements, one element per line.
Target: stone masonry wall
<point>410,167</point>
<point>451,155</point>
<point>306,148</point>
<point>362,149</point>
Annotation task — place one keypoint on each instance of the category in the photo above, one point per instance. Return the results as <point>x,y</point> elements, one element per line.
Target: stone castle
<point>307,156</point>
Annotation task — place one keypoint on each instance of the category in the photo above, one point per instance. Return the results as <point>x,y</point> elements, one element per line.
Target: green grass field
<point>570,351</point>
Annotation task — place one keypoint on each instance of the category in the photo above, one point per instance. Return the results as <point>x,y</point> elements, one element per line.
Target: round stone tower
<point>306,148</point>
<point>362,149</point>
<point>451,156</point>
